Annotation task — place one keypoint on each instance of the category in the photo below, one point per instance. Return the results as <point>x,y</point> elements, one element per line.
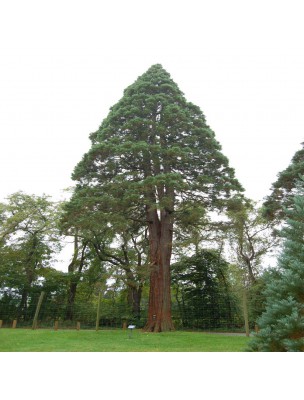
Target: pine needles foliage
<point>282,324</point>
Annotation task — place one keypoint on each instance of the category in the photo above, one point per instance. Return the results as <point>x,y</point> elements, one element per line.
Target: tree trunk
<point>22,309</point>
<point>30,266</point>
<point>134,298</point>
<point>71,299</point>
<point>75,269</point>
<point>160,241</point>
<point>228,302</point>
<point>252,278</point>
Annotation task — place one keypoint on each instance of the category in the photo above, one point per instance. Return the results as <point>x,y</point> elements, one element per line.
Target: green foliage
<point>282,324</point>
<point>29,237</point>
<point>255,298</point>
<point>283,190</point>
<point>154,163</point>
<point>154,149</point>
<point>251,237</point>
<point>203,292</point>
<point>116,248</point>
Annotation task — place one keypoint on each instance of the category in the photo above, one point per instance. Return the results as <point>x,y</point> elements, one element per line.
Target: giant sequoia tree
<point>155,160</point>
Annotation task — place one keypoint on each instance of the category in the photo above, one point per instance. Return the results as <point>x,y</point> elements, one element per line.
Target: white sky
<point>64,64</point>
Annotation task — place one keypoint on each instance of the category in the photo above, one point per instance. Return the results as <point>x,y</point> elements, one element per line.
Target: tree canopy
<point>202,290</point>
<point>155,148</point>
<point>283,190</point>
<point>29,236</point>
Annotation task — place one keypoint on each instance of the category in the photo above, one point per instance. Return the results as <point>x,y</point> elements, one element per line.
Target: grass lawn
<point>27,340</point>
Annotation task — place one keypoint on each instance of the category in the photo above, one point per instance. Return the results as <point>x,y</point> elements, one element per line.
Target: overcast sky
<point>64,64</point>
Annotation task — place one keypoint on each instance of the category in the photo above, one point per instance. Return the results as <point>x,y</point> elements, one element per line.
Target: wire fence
<point>45,311</point>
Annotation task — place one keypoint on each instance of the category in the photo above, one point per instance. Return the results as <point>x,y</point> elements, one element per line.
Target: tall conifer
<point>283,189</point>
<point>154,160</point>
<point>282,324</point>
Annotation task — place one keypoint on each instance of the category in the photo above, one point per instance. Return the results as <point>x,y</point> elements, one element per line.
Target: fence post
<point>37,310</point>
<point>1,322</point>
<point>14,324</point>
<point>78,326</point>
<point>98,311</point>
<point>56,325</point>
<point>245,310</point>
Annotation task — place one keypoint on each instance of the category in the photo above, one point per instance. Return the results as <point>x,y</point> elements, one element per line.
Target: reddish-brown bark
<point>160,238</point>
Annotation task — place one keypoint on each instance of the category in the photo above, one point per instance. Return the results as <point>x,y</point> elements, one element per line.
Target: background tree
<point>202,289</point>
<point>87,238</point>
<point>251,238</point>
<point>29,238</point>
<point>76,268</point>
<point>282,324</point>
<point>119,250</point>
<point>283,189</point>
<point>154,159</point>
<point>132,268</point>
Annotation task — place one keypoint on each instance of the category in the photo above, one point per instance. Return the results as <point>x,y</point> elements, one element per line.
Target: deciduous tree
<point>29,237</point>
<point>119,248</point>
<point>251,238</point>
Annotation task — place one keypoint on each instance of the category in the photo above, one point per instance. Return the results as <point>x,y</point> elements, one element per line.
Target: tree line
<point>156,216</point>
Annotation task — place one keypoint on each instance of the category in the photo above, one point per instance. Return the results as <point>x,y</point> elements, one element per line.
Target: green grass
<point>43,340</point>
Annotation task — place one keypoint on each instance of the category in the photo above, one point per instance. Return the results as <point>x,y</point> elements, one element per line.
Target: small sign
<point>131,326</point>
